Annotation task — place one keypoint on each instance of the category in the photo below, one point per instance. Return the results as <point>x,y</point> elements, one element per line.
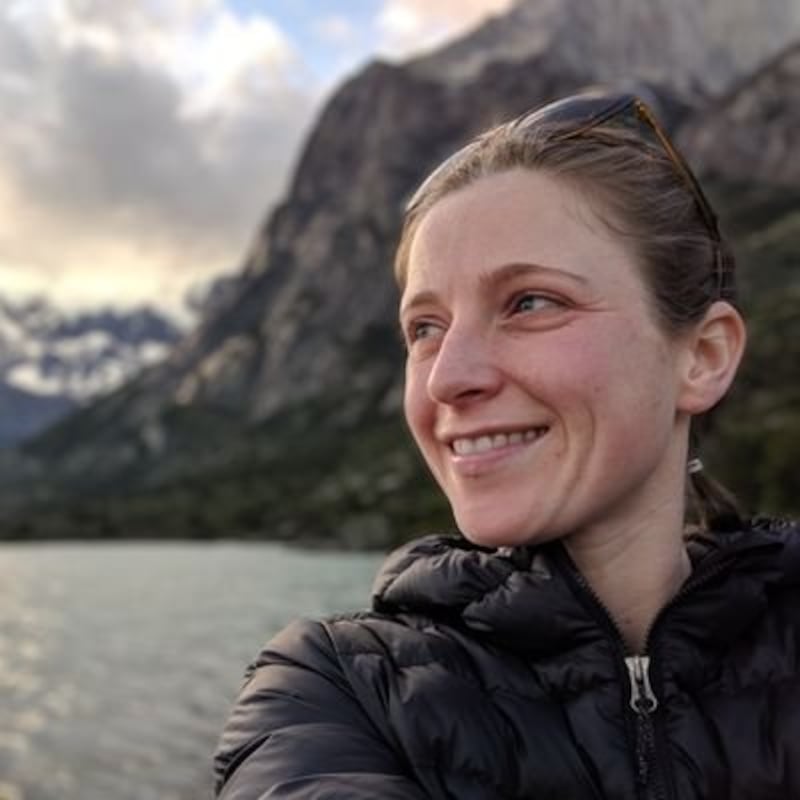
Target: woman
<point>569,310</point>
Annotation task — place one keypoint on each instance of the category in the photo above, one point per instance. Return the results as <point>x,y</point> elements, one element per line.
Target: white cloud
<point>226,64</point>
<point>409,26</point>
<point>141,144</point>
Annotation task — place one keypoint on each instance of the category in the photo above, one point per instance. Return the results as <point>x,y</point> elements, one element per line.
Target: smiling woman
<point>609,624</point>
<point>513,346</point>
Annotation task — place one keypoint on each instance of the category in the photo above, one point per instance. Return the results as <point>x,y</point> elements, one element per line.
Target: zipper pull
<point>643,699</point>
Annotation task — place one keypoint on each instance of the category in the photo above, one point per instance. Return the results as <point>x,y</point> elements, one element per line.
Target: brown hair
<point>634,188</point>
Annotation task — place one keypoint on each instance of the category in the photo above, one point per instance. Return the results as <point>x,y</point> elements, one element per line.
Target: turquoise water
<point>118,663</point>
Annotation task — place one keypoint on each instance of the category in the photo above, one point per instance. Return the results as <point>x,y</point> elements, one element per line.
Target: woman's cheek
<point>416,404</point>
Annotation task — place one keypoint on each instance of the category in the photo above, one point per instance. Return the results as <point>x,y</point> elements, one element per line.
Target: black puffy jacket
<point>493,674</point>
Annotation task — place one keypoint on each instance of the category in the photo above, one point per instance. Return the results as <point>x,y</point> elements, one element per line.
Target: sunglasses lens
<point>585,110</point>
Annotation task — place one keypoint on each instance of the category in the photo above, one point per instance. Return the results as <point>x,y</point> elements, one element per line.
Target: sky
<point>143,141</point>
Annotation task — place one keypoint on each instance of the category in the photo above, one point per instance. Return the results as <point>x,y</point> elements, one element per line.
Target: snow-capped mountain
<point>52,362</point>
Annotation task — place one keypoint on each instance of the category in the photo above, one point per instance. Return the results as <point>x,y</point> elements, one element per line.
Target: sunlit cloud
<point>408,26</point>
<point>142,143</point>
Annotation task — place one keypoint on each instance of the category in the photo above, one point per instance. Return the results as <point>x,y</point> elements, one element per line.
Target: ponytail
<point>711,506</point>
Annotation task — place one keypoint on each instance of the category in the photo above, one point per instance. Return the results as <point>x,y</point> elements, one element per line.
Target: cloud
<point>142,142</point>
<point>409,26</point>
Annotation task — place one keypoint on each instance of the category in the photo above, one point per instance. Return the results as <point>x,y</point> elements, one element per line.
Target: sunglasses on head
<point>586,111</point>
<point>579,114</point>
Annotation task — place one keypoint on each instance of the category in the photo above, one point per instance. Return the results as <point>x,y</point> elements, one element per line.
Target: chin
<point>498,532</point>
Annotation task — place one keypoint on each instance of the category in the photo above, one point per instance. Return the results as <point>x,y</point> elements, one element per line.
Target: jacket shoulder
<point>297,727</point>
<point>785,534</point>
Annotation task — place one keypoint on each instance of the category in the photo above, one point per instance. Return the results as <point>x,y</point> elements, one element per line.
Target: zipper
<point>652,775</point>
<point>644,702</point>
<point>643,698</point>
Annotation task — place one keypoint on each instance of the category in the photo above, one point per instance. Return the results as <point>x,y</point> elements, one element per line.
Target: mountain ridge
<point>752,131</point>
<point>52,362</point>
<point>698,47</point>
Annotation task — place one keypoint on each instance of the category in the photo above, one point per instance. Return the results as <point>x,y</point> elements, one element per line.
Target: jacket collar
<point>527,600</point>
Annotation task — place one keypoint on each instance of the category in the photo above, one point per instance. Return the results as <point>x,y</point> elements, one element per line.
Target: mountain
<point>697,47</point>
<point>752,131</point>
<point>278,416</point>
<point>51,362</point>
<point>23,414</point>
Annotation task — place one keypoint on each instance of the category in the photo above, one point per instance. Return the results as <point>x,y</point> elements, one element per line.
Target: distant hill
<point>278,416</point>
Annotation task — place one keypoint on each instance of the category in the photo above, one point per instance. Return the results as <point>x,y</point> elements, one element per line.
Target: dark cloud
<point>99,143</point>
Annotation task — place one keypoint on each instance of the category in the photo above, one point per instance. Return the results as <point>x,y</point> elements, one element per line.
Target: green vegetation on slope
<point>755,446</point>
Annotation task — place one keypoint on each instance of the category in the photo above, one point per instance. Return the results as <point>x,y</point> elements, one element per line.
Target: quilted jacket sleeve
<point>297,732</point>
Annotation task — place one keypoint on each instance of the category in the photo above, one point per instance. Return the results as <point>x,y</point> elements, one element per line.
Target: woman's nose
<point>464,368</point>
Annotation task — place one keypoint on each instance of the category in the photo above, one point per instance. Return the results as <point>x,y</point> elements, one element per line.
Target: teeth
<point>463,447</point>
<point>482,444</point>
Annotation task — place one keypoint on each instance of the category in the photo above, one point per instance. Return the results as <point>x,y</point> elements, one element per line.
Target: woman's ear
<point>712,352</point>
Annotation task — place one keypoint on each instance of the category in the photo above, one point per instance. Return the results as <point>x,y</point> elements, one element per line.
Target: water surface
<point>118,663</point>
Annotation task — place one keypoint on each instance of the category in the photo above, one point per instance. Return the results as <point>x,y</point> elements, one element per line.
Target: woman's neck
<point>634,569</point>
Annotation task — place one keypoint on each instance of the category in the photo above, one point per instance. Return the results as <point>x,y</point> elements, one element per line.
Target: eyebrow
<point>516,269</point>
<point>495,277</point>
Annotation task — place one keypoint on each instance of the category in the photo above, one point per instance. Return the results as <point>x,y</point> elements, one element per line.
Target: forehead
<point>515,216</point>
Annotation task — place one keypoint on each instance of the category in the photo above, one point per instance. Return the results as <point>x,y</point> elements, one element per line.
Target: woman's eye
<point>421,329</point>
<point>531,301</point>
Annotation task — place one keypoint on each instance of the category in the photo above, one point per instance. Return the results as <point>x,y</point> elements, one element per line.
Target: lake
<point>119,663</point>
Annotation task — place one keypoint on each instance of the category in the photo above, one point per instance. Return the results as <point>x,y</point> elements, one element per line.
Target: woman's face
<point>541,392</point>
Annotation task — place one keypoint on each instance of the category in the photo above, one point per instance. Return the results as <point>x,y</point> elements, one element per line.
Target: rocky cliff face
<point>309,326</point>
<point>694,46</point>
<point>315,290</point>
<point>318,293</point>
<point>753,131</point>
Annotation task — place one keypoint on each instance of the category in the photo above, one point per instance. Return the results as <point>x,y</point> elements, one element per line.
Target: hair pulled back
<point>633,187</point>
